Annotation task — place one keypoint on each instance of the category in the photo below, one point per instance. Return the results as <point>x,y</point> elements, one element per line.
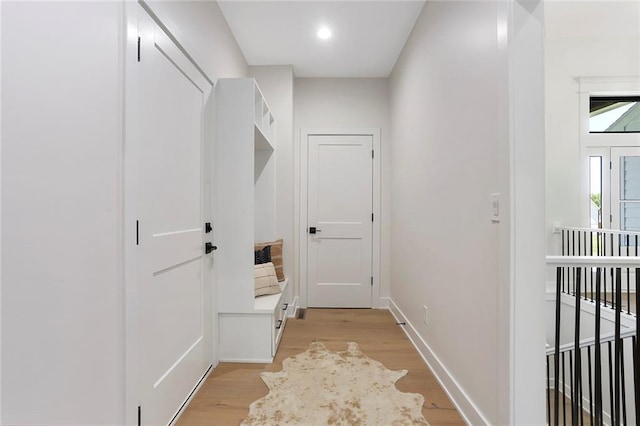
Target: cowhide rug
<point>320,387</point>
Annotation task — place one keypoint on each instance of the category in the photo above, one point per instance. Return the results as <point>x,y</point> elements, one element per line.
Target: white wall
<point>349,103</point>
<point>62,322</point>
<point>582,39</point>
<point>276,84</point>
<point>62,201</point>
<point>454,138</point>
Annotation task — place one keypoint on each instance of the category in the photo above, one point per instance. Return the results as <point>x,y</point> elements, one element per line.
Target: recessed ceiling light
<point>324,33</point>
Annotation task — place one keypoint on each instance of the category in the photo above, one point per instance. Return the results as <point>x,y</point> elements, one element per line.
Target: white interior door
<point>339,218</point>
<point>166,97</point>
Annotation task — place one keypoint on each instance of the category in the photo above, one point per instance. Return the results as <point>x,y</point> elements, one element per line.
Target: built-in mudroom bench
<point>249,327</point>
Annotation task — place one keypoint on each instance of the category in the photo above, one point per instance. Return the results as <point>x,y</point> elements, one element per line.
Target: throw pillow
<point>262,256</point>
<point>276,256</point>
<point>266,281</point>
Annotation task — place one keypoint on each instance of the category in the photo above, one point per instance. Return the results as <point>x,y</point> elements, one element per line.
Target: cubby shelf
<point>244,173</point>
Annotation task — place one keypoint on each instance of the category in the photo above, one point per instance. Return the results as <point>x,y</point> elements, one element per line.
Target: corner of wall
<point>468,410</point>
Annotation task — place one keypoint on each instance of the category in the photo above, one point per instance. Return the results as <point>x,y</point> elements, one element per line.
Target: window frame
<point>601,143</point>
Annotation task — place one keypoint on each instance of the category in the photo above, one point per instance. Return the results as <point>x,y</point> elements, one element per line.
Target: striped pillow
<point>266,281</point>
<point>276,256</point>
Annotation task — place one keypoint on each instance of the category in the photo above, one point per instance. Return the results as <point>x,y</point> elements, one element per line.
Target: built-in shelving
<point>249,328</point>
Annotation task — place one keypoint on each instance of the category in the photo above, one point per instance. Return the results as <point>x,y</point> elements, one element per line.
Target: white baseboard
<point>294,309</point>
<point>383,303</point>
<point>467,409</point>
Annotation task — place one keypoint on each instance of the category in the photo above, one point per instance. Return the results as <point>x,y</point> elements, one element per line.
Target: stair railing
<point>597,269</point>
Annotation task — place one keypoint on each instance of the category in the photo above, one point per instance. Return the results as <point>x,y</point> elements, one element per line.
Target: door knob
<point>209,247</point>
<point>313,230</point>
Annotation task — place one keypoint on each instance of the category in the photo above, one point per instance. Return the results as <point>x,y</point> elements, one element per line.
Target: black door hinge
<point>138,49</point>
<point>371,217</point>
<point>137,233</point>
<point>371,280</point>
<point>139,415</point>
<point>372,154</point>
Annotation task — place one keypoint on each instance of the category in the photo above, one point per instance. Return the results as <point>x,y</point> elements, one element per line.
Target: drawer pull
<point>284,308</point>
<point>279,325</point>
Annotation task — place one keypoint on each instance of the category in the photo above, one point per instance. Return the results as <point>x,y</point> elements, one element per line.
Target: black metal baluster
<point>548,395</point>
<point>628,291</point>
<point>584,241</point>
<point>598,355</point>
<point>636,348</point>
<point>590,384</point>
<point>622,385</point>
<point>613,279</point>
<point>580,396</point>
<point>564,254</point>
<point>579,245</point>
<point>572,389</point>
<point>605,286</point>
<point>556,359</point>
<point>576,385</point>
<point>611,380</point>
<point>628,282</point>
<point>591,269</point>
<point>634,354</point>
<point>612,249</point>
<point>618,292</point>
<point>593,295</point>
<point>573,252</point>
<point>564,411</point>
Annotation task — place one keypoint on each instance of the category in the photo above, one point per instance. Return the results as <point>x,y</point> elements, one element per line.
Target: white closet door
<point>167,95</point>
<point>339,242</point>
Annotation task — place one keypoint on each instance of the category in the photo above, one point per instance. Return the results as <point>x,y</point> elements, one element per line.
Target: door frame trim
<point>377,207</point>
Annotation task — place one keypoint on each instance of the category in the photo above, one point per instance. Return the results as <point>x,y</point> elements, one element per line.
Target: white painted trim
<point>130,268</point>
<point>467,409</point>
<point>167,25</point>
<point>294,302</point>
<point>609,261</point>
<point>125,398</point>
<point>248,360</point>
<point>377,223</point>
<point>605,86</point>
<point>598,230</point>
<point>377,207</point>
<point>302,219</point>
<point>585,211</point>
<point>191,396</point>
<point>0,218</point>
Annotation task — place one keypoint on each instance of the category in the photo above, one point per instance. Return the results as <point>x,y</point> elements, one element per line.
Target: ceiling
<point>367,39</point>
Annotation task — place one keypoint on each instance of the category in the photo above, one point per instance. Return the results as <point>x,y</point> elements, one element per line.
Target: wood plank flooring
<point>225,397</point>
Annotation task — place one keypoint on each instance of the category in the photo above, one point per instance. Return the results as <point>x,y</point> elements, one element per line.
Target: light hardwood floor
<point>225,397</point>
